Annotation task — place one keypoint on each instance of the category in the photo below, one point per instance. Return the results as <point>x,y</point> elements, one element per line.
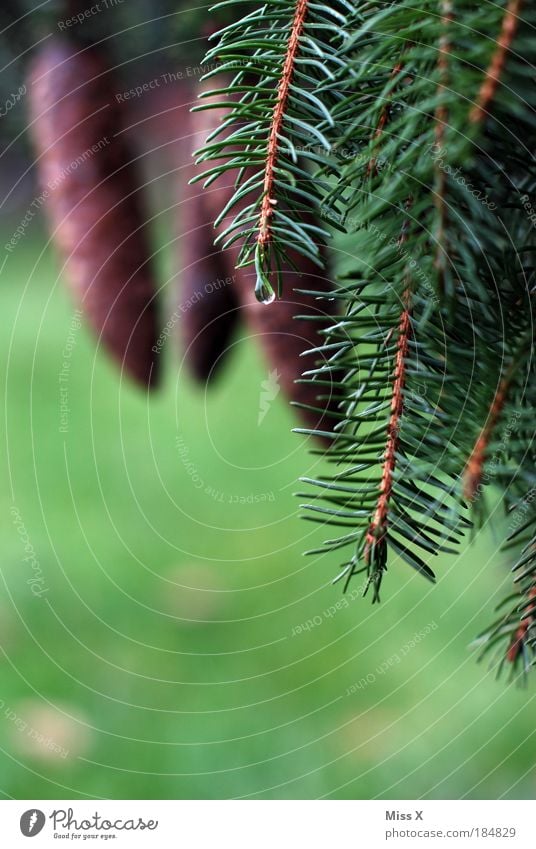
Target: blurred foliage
<point>166,657</point>
<point>137,36</point>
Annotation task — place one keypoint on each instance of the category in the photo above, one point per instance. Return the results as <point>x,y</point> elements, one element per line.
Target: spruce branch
<point>279,133</point>
<point>375,554</point>
<point>466,271</point>
<point>425,350</point>
<point>511,639</point>
<point>269,199</point>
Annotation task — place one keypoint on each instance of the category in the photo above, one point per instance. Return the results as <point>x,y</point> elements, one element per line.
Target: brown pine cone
<point>92,200</point>
<point>208,304</point>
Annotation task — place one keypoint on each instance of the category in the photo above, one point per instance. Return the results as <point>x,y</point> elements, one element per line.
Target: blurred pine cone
<point>92,200</point>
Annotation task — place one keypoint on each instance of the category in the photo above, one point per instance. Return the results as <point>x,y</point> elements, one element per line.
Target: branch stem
<point>475,464</point>
<point>498,61</point>
<point>269,200</point>
<point>378,527</point>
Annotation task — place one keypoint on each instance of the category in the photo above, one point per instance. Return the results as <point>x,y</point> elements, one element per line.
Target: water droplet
<point>263,291</point>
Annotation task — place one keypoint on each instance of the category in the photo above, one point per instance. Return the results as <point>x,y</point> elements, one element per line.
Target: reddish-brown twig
<point>498,60</point>
<point>520,635</point>
<point>264,235</point>
<point>475,464</point>
<point>378,525</point>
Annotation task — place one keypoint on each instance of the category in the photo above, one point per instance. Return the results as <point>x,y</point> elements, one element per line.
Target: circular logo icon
<point>32,822</point>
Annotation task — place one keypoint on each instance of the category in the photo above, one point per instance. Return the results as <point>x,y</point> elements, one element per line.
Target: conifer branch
<point>409,386</point>
<point>374,553</point>
<point>278,136</point>
<point>475,464</point>
<point>512,638</point>
<point>269,199</point>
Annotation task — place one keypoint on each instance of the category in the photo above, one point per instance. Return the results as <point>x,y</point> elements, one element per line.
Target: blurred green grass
<point>161,657</point>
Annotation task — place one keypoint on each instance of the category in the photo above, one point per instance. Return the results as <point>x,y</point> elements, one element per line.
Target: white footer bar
<point>269,824</point>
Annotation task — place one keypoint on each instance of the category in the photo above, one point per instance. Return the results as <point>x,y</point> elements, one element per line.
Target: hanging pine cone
<point>208,304</point>
<point>92,200</point>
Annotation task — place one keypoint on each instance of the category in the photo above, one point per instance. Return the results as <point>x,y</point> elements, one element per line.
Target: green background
<point>164,658</point>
